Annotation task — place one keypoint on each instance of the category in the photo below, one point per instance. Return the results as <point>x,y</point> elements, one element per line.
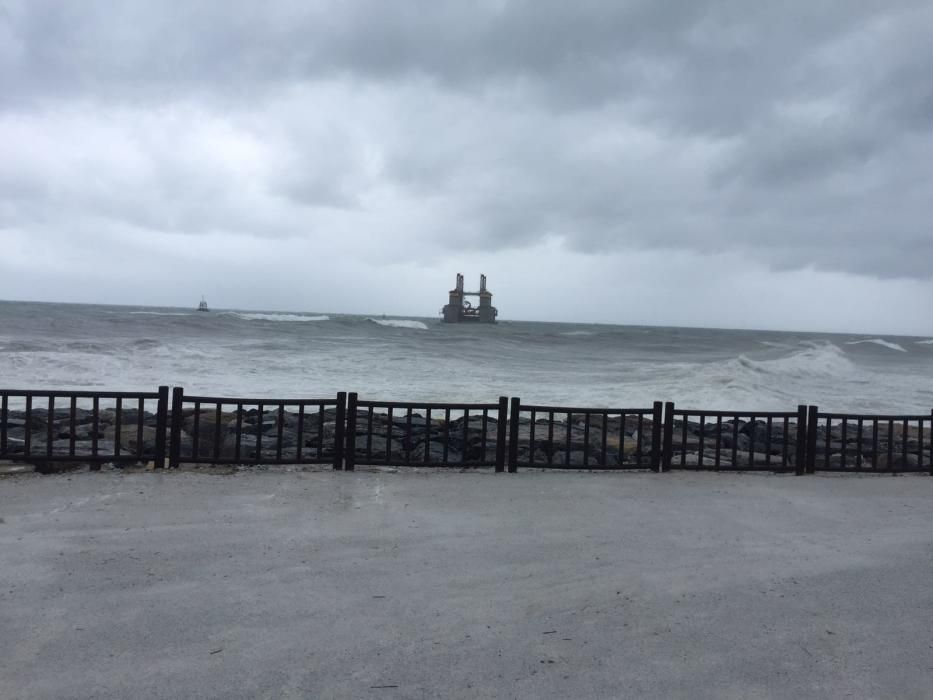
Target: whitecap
<point>578,333</point>
<point>291,318</point>
<point>878,341</point>
<point>399,323</point>
<point>925,342</point>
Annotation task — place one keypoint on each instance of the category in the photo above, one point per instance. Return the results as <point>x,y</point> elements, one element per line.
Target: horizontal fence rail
<point>405,433</point>
<point>92,427</point>
<point>847,442</point>
<point>226,430</point>
<point>735,440</point>
<point>565,437</point>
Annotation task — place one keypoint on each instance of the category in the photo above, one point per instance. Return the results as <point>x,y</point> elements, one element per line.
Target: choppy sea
<point>295,355</point>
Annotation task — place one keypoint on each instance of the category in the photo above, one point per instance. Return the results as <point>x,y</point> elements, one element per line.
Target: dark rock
<point>575,459</point>
<point>435,451</point>
<point>228,447</point>
<point>376,445</point>
<point>129,438</point>
<point>82,432</point>
<point>742,442</point>
<point>417,420</point>
<point>908,462</point>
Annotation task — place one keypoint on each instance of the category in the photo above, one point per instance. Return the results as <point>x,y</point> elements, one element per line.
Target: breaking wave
<point>399,323</point>
<point>742,382</point>
<point>925,342</point>
<point>290,318</point>
<point>818,360</point>
<point>878,341</point>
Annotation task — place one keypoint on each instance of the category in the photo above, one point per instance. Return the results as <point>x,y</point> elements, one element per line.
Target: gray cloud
<point>795,138</point>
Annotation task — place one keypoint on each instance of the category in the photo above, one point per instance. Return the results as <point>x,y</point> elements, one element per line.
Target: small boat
<point>203,305</point>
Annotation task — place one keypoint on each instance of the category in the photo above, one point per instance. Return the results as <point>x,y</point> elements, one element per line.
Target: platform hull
<point>455,314</point>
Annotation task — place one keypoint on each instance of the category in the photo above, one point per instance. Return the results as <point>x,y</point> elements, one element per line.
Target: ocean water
<point>296,355</point>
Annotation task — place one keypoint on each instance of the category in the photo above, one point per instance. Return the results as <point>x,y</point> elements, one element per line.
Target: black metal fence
<point>93,427</point>
<point>426,434</point>
<point>846,442</point>
<point>225,430</point>
<point>44,427</point>
<point>735,440</point>
<point>565,437</point>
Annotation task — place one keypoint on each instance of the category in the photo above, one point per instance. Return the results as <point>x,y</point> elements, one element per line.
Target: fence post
<point>339,428</point>
<point>656,431</point>
<point>349,453</point>
<point>158,458</point>
<point>812,425</point>
<point>178,396</point>
<point>501,427</point>
<point>668,436</point>
<point>802,436</point>
<point>514,412</point>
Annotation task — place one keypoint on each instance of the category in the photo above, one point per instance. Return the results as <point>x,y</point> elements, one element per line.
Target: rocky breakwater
<point>749,444</point>
<point>587,441</point>
<point>248,436</point>
<point>417,440</point>
<point>244,438</point>
<point>287,436</point>
<point>739,444</point>
<point>414,441</point>
<point>894,448</point>
<point>131,439</point>
<point>290,437</point>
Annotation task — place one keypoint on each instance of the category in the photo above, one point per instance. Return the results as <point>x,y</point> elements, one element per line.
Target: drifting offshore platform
<point>459,310</point>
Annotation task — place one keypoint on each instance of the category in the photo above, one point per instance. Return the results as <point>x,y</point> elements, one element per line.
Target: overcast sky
<point>728,164</point>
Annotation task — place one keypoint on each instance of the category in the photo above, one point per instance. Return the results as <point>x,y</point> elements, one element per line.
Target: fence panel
<point>735,440</point>
<point>93,427</point>
<point>565,437</point>
<point>415,434</point>
<point>233,430</point>
<point>851,442</point>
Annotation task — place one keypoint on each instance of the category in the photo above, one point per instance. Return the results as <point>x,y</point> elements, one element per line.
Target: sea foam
<point>878,341</point>
<point>399,323</point>
<point>282,318</point>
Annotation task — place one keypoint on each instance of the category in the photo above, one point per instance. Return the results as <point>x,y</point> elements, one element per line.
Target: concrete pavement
<point>421,584</point>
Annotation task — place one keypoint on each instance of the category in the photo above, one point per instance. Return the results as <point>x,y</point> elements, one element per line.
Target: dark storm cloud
<point>795,135</point>
<point>704,59</point>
